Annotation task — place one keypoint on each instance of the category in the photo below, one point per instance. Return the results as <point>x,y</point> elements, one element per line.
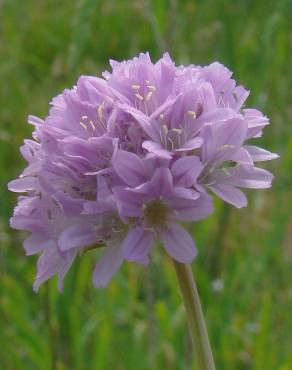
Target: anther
<point>151,87</point>
<point>178,130</point>
<point>192,113</point>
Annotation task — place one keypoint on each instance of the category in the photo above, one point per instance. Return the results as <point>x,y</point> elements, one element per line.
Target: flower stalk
<point>195,317</point>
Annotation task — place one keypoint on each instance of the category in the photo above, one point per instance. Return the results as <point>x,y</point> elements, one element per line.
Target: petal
<point>230,194</point>
<point>23,184</point>
<point>36,243</point>
<point>145,121</point>
<point>207,118</point>
<point>161,183</point>
<point>64,268</point>
<point>241,156</point>
<point>129,167</point>
<point>156,149</point>
<point>192,144</point>
<point>137,244</point>
<point>80,235</point>
<point>250,177</point>
<point>259,154</point>
<point>168,102</point>
<point>178,243</point>
<point>48,265</point>
<point>207,95</point>
<point>186,170</point>
<point>107,265</point>
<point>129,202</point>
<point>191,210</point>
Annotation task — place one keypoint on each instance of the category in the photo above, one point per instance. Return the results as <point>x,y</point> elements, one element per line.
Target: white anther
<point>192,114</point>
<point>177,130</point>
<point>135,87</point>
<point>84,117</point>
<point>151,87</point>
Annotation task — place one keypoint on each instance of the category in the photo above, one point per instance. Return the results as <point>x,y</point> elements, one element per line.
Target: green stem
<point>195,316</point>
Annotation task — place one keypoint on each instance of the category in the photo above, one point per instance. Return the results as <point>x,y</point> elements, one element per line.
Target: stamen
<point>99,110</point>
<point>140,97</point>
<point>135,87</point>
<point>148,96</point>
<point>165,129</point>
<point>178,130</point>
<point>151,87</point>
<point>171,143</point>
<point>84,117</point>
<point>224,169</point>
<point>92,125</point>
<point>83,125</point>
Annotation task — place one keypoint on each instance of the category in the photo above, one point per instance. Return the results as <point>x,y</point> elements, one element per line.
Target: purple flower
<point>125,160</point>
<point>153,208</point>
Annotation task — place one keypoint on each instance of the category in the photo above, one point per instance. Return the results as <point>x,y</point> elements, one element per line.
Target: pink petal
<point>157,149</point>
<point>80,235</point>
<point>259,154</point>
<point>107,265</point>
<point>36,243</point>
<point>23,184</point>
<point>178,243</point>
<point>137,244</point>
<point>129,167</point>
<point>230,194</point>
<point>186,170</point>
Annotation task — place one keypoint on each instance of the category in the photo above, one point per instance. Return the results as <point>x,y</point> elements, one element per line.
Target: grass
<point>244,265</point>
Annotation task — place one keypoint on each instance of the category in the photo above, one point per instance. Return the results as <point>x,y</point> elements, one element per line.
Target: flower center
<point>155,212</point>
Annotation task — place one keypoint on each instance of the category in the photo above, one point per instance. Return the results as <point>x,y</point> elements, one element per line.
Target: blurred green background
<point>243,270</point>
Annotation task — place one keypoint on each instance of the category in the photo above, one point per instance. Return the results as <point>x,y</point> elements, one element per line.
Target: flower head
<point>123,160</point>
